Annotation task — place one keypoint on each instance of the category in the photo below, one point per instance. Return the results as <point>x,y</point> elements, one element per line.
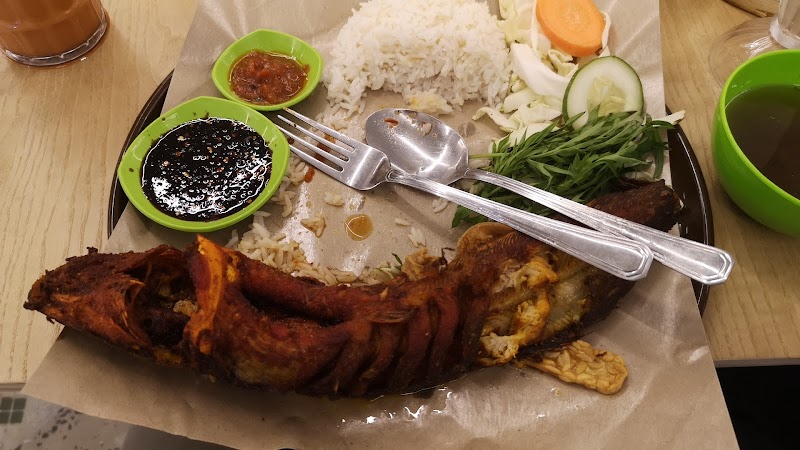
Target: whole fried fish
<point>502,297</point>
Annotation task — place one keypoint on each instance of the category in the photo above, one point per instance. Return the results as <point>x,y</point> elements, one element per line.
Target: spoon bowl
<point>419,144</point>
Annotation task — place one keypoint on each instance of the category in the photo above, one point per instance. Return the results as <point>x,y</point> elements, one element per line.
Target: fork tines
<point>329,150</point>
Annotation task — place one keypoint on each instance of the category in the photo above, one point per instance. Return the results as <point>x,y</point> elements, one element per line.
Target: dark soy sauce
<point>765,122</point>
<point>206,169</point>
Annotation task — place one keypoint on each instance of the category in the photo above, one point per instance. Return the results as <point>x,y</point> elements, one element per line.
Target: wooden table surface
<point>61,131</point>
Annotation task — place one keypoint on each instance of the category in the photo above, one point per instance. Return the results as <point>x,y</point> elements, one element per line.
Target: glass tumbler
<point>785,29</point>
<point>755,37</point>
<point>50,32</point>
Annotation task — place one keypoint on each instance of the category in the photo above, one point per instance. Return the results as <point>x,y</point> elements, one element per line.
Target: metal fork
<point>363,167</point>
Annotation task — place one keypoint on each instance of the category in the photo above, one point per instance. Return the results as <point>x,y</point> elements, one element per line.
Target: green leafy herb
<point>577,164</point>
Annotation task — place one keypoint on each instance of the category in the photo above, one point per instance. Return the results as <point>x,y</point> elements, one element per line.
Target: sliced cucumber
<point>608,82</point>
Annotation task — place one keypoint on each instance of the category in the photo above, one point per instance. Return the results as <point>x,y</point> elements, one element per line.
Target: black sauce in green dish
<point>206,169</point>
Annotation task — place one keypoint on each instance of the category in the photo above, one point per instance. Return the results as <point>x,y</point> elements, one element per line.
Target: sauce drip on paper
<point>359,226</point>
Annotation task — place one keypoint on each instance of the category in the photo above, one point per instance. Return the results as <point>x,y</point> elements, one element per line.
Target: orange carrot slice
<point>575,26</point>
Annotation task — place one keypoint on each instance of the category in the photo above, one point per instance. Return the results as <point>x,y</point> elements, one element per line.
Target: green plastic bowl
<point>130,168</point>
<point>754,193</point>
<point>268,41</point>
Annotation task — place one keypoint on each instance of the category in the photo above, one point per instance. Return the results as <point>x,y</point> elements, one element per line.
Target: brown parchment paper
<point>671,399</point>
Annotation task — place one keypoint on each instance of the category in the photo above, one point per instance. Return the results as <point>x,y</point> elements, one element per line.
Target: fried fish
<point>503,297</point>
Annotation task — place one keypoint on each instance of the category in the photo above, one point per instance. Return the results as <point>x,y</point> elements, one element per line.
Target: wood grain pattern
<point>760,8</point>
<point>61,130</point>
<point>755,316</point>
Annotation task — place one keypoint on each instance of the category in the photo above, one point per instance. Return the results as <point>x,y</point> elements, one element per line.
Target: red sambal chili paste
<point>267,78</point>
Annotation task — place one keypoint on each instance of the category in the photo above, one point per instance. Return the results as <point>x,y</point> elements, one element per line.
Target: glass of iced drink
<point>50,32</point>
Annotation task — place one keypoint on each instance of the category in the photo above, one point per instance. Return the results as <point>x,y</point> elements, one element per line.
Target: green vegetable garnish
<point>577,164</point>
<point>399,265</point>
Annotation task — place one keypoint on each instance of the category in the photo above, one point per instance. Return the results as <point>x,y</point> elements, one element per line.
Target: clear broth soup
<point>765,122</point>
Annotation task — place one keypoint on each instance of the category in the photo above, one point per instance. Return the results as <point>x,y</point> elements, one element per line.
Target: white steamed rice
<point>417,238</point>
<point>425,50</point>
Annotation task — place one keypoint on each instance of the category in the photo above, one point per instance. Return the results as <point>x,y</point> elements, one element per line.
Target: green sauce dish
<point>274,42</point>
<point>131,166</point>
<point>753,192</point>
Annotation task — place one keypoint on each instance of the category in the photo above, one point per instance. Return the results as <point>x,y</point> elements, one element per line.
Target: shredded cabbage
<point>541,73</point>
<point>517,99</point>
<point>605,51</point>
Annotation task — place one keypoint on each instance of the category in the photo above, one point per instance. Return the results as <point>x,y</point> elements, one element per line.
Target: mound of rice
<point>426,50</point>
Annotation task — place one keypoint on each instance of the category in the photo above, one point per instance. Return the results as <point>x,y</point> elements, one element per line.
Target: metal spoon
<point>423,145</point>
